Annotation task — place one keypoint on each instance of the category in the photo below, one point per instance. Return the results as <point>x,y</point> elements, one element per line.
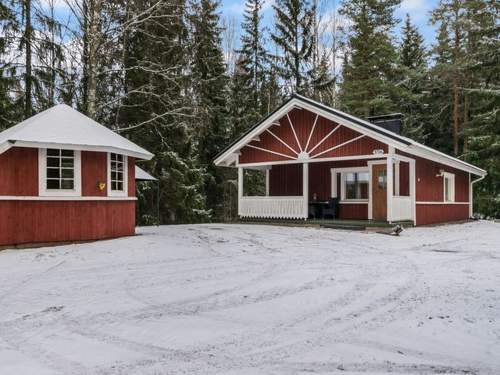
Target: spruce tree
<point>294,38</point>
<point>210,94</point>
<point>10,112</point>
<point>253,55</point>
<point>156,109</point>
<point>368,86</point>
<point>483,72</point>
<point>246,101</point>
<point>413,81</point>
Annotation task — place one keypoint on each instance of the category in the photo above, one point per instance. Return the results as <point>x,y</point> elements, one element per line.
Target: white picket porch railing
<point>402,208</point>
<point>274,207</point>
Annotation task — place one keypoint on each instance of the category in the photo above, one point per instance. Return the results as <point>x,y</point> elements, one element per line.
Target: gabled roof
<point>227,156</point>
<point>63,126</point>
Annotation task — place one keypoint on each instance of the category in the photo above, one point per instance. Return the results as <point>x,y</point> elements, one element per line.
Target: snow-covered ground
<point>249,299</point>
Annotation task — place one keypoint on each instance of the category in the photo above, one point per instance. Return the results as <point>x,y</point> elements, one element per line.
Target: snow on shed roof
<point>62,125</point>
<point>142,175</point>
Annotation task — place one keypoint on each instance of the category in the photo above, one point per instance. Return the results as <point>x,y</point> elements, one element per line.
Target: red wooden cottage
<point>64,177</point>
<point>313,152</point>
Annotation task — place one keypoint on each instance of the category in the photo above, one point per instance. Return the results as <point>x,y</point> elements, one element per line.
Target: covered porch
<point>377,188</point>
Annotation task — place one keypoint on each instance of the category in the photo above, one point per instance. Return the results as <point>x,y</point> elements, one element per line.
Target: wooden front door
<point>379,192</point>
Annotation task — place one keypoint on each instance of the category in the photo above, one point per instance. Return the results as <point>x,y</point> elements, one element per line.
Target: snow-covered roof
<point>142,175</point>
<point>63,126</point>
<point>228,156</point>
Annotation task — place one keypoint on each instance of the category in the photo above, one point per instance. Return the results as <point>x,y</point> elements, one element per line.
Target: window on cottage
<point>356,185</point>
<point>60,169</point>
<point>449,187</point>
<point>117,172</point>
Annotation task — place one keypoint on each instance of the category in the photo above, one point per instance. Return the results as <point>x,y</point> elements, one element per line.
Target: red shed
<point>64,177</point>
<point>315,154</point>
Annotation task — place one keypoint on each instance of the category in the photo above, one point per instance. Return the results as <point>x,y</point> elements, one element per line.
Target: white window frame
<point>451,178</point>
<point>118,193</point>
<point>343,172</point>
<point>42,176</point>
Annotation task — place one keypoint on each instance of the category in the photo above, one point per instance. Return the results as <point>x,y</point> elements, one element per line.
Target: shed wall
<point>52,221</point>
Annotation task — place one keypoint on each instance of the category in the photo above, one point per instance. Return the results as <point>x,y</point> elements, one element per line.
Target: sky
<point>418,10</point>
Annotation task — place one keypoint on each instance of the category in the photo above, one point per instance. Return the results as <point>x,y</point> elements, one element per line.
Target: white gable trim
<point>414,148</point>
<point>293,103</point>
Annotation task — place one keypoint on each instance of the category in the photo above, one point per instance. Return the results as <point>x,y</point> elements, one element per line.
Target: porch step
<point>344,226</point>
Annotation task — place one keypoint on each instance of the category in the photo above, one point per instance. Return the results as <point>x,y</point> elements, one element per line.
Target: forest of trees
<point>175,77</point>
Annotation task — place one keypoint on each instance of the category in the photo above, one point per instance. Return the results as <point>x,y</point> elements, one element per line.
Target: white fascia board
<point>439,157</point>
<point>5,146</point>
<point>255,132</point>
<point>139,155</point>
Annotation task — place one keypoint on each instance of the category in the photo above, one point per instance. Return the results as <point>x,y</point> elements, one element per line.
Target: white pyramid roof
<point>63,126</point>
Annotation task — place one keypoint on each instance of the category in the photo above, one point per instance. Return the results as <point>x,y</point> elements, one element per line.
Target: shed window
<point>60,169</point>
<point>449,187</point>
<point>117,169</point>
<point>356,185</point>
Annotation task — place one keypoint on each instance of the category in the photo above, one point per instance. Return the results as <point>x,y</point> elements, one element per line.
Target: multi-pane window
<point>356,185</point>
<point>449,187</point>
<point>60,169</point>
<point>117,169</point>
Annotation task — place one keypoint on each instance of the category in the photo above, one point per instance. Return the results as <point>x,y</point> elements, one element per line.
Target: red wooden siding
<point>441,213</point>
<point>55,221</point>
<point>404,179</point>
<point>353,211</point>
<point>285,180</point>
<point>19,172</point>
<point>131,177</point>
<point>94,171</point>
<point>430,186</point>
<point>303,121</point>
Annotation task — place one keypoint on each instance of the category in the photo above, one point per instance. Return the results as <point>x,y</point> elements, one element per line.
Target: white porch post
<point>396,177</point>
<point>305,188</point>
<point>267,181</point>
<point>390,187</point>
<point>412,190</point>
<point>240,188</point>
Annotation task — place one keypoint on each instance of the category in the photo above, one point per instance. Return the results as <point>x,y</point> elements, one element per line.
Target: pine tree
<point>294,38</point>
<point>413,81</point>
<point>210,94</point>
<point>368,86</point>
<point>450,17</point>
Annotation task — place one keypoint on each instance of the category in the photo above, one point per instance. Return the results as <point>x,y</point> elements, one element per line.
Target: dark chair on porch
<point>332,209</point>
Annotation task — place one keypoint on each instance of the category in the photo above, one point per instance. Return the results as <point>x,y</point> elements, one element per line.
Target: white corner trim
<point>115,193</point>
<point>42,177</point>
